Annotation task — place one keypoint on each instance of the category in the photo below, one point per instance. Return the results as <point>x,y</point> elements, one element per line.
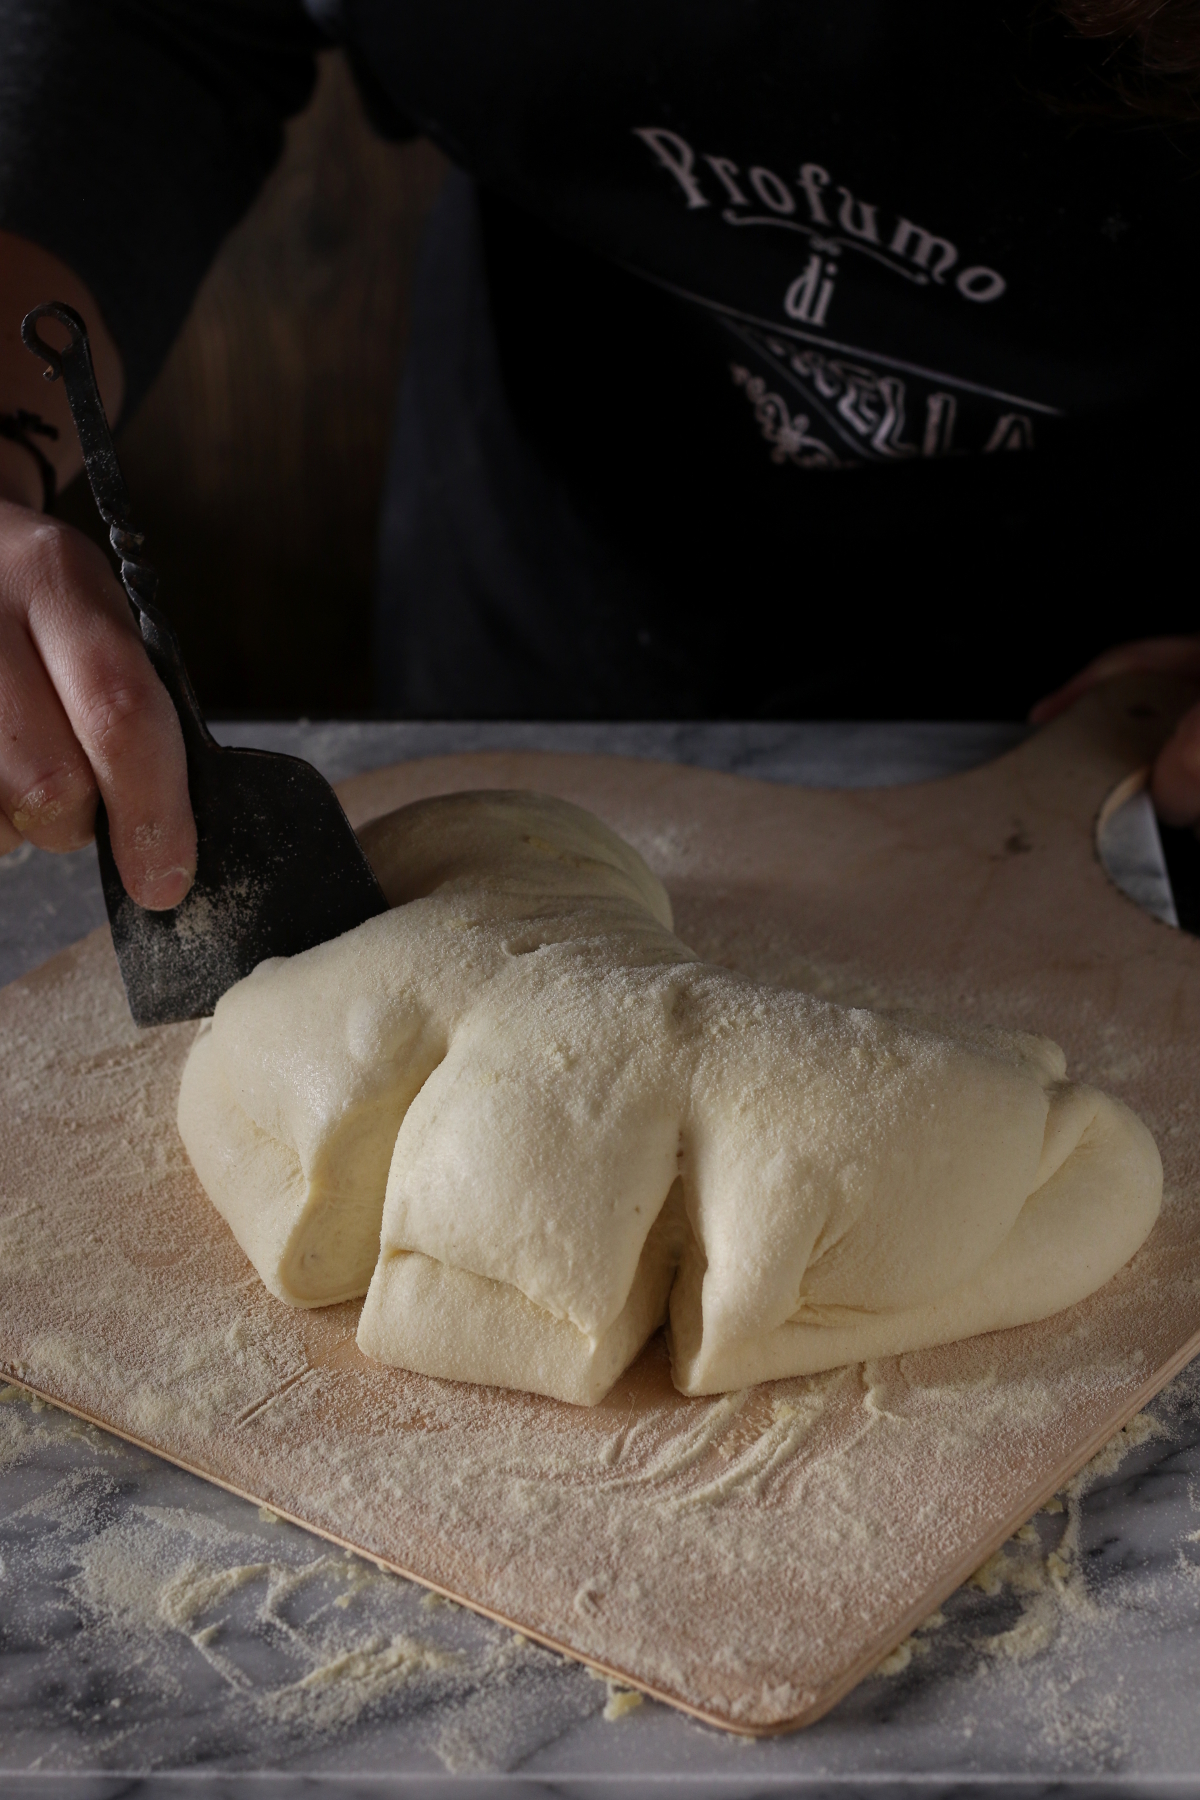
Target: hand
<point>1175,780</point>
<point>82,711</point>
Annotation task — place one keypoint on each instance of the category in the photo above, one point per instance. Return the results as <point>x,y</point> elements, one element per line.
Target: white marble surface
<point>1131,850</point>
<point>158,1637</point>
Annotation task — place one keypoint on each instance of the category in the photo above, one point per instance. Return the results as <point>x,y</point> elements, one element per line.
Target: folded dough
<point>525,1117</point>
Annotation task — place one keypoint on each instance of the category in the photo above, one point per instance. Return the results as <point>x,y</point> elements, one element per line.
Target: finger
<point>1175,782</point>
<point>120,713</point>
<point>47,791</point>
<point>10,837</point>
<point>1158,656</point>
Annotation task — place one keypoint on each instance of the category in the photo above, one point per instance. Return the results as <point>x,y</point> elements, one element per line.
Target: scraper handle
<point>74,365</point>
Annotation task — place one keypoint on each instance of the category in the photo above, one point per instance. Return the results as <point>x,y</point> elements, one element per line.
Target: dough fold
<point>525,1118</point>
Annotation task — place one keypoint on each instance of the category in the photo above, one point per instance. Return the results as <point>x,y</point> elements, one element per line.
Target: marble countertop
<point>157,1634</point>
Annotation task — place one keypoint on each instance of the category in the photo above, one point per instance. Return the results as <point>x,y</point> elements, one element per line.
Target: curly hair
<point>1149,62</point>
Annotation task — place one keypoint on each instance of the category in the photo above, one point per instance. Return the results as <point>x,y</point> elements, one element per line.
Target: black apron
<point>779,360</point>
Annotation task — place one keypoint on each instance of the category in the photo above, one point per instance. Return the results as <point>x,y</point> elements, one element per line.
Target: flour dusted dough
<point>527,1120</point>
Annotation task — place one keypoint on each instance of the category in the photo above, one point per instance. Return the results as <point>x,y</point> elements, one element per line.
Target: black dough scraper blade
<point>279,867</point>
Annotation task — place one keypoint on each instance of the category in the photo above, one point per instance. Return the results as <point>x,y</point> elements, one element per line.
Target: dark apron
<point>560,540</point>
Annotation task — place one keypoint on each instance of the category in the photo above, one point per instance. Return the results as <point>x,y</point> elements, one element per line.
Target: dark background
<point>256,462</point>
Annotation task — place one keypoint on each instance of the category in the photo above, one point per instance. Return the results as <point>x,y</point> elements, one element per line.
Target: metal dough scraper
<point>279,868</point>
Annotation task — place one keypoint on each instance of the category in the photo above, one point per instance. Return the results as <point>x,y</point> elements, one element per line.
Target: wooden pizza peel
<point>747,1558</point>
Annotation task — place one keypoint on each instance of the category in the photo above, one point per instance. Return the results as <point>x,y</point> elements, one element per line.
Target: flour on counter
<point>1029,1628</point>
<point>237,1637</point>
<point>245,1642</point>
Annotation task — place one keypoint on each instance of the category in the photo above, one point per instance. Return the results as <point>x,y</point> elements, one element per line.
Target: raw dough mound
<point>525,1114</point>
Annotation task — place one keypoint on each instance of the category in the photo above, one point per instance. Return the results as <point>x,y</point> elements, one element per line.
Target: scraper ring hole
<point>1155,866</point>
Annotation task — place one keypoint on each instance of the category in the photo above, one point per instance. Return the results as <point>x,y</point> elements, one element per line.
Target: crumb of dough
<point>621,1701</point>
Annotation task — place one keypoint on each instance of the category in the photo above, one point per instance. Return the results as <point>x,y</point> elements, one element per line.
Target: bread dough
<point>527,1120</point>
